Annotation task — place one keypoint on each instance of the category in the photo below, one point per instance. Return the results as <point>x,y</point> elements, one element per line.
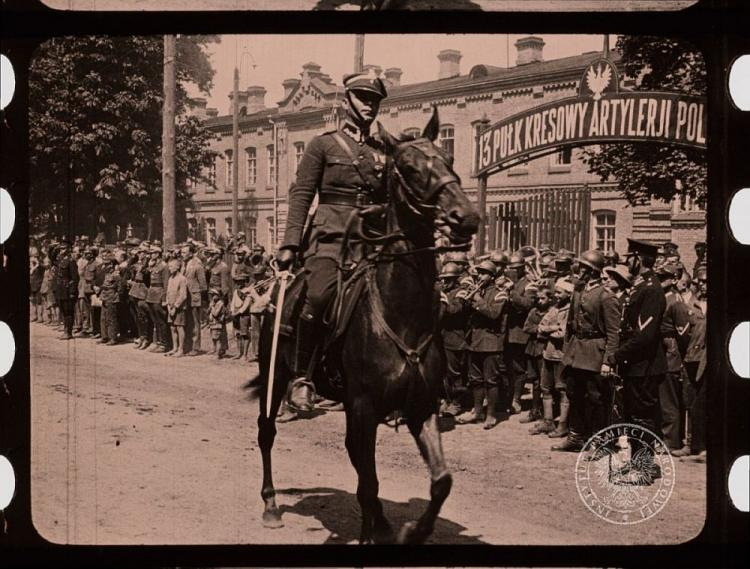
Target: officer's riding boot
<point>562,425</point>
<point>475,415</point>
<point>546,425</point>
<point>492,396</point>
<point>303,391</point>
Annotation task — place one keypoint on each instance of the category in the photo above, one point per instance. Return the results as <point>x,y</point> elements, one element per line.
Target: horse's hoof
<point>407,534</point>
<point>272,520</point>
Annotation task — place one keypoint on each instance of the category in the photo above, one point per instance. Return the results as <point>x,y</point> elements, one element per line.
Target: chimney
<point>376,68</point>
<point>289,86</point>
<point>212,112</point>
<point>241,98</point>
<point>450,63</point>
<point>311,68</point>
<point>393,76</point>
<point>256,99</point>
<point>529,50</point>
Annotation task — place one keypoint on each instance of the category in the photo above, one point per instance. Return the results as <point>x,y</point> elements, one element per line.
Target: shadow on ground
<point>338,512</point>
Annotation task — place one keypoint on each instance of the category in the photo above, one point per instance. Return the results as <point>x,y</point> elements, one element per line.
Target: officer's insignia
<point>681,330</point>
<point>641,325</point>
<point>501,296</point>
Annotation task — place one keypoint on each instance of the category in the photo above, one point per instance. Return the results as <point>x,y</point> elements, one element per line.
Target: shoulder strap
<point>346,148</point>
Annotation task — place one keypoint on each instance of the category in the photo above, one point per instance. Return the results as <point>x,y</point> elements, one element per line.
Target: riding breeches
<point>321,275</point>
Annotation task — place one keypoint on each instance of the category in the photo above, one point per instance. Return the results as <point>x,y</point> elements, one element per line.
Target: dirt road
<point>129,447</point>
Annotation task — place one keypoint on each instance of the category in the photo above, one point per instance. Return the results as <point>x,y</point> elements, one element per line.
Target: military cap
<point>365,82</point>
<point>63,242</point>
<point>621,274</point>
<point>155,249</point>
<point>487,266</point>
<point>562,264</point>
<point>642,247</point>
<point>459,257</point>
<point>547,259</point>
<point>566,254</point>
<point>499,257</point>
<point>466,281</point>
<point>258,247</point>
<point>670,247</point>
<point>450,269</point>
<point>241,235</point>
<point>93,251</point>
<point>700,273</point>
<point>667,270</point>
<point>516,261</point>
<point>132,242</point>
<point>528,252</point>
<point>612,256</point>
<point>593,258</point>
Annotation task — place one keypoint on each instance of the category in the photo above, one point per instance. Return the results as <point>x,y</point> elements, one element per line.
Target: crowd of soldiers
<point>159,298</point>
<point>599,340</point>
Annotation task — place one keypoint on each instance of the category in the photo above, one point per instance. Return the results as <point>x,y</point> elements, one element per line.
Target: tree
<point>651,170</point>
<point>95,130</point>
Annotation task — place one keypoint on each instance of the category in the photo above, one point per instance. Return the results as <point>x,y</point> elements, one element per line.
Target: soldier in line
<point>159,275</point>
<point>109,293</point>
<point>640,356</point>
<point>536,345</point>
<point>589,352</point>
<point>176,302</point>
<point>674,332</point>
<point>454,320</point>
<point>137,298</point>
<point>66,287</point>
<point>241,301</point>
<point>36,277</point>
<point>218,315</point>
<point>486,343</point>
<point>219,279</point>
<point>195,275</point>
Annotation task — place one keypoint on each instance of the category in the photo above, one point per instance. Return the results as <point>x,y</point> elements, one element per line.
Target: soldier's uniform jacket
<point>157,287</point>
<point>110,292</point>
<point>537,337</point>
<point>696,349</point>
<point>593,327</point>
<point>195,275</point>
<point>487,323</point>
<point>554,324</point>
<point>89,276</point>
<point>454,320</point>
<point>674,330</point>
<point>341,180</point>
<point>219,278</point>
<point>241,273</point>
<point>641,353</point>
<point>66,283</point>
<point>140,277</point>
<point>520,303</point>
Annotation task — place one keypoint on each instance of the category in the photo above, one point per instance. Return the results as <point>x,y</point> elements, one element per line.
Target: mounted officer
<point>345,169</point>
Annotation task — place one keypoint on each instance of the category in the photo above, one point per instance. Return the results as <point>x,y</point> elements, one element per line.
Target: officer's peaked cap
<point>368,81</point>
<point>642,247</point>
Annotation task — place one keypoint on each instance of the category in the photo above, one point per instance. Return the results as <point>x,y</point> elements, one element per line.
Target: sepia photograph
<point>368,288</point>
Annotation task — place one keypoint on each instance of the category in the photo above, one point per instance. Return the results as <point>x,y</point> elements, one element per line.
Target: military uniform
<point>195,275</point>
<point>159,276</point>
<point>695,366</point>
<point>592,340</point>
<point>66,290</point>
<point>640,356</point>
<point>110,297</point>
<point>521,302</point>
<point>454,322</point>
<point>345,168</point>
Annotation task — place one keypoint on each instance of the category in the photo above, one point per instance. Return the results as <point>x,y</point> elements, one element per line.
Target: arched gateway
<point>599,114</point>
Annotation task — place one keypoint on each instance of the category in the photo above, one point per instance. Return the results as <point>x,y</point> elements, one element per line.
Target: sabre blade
<point>275,341</point>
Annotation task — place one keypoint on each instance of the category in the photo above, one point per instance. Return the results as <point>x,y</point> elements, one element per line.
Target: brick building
<point>466,102</point>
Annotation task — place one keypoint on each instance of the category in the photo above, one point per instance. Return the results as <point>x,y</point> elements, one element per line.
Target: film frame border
<point>725,528</point>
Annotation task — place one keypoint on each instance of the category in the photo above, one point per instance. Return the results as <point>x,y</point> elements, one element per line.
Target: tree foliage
<point>95,125</point>
<point>650,170</point>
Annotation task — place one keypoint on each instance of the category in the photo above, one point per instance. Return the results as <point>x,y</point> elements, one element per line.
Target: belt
<point>589,335</point>
<point>351,199</point>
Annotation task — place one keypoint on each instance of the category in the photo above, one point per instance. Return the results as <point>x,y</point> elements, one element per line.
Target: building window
<point>252,236</point>
<point>230,165</point>
<point>228,226</point>
<point>299,152</point>
<point>562,157</point>
<point>412,132</point>
<point>271,242</point>
<point>251,169</point>
<point>211,177</point>
<point>210,230</point>
<point>604,230</point>
<point>446,138</point>
<point>193,228</point>
<point>271,161</point>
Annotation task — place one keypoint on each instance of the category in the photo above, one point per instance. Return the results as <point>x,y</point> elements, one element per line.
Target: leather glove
<point>285,259</point>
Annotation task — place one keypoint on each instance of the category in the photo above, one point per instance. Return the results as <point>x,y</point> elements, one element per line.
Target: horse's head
<point>426,185</point>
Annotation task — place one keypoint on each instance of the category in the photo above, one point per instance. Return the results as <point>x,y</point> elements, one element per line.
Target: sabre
<point>283,276</point>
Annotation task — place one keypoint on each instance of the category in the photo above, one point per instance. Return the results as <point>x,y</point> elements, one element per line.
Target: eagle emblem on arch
<point>599,77</point>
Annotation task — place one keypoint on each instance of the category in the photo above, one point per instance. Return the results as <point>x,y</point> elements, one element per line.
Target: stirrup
<point>302,395</point>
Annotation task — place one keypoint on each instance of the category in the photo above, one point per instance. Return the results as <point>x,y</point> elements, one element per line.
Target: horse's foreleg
<point>266,436</point>
<point>427,436</point>
<point>361,434</point>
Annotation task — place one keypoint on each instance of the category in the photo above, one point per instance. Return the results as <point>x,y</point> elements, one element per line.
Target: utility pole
<point>235,152</point>
<point>167,143</point>
<point>359,53</point>
<point>606,46</point>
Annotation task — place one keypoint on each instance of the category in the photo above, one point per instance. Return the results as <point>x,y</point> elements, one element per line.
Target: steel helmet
<point>593,258</point>
<point>547,259</point>
<point>516,260</point>
<point>450,269</point>
<point>499,257</point>
<point>487,266</point>
<point>458,257</point>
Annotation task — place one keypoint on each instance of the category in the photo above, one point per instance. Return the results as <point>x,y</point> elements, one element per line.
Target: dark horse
<point>391,357</point>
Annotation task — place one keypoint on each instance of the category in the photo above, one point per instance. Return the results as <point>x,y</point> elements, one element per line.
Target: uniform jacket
<point>674,330</point>
<point>641,353</point>
<point>554,323</point>
<point>219,278</point>
<point>110,292</point>
<point>537,337</point>
<point>696,349</point>
<point>89,276</point>
<point>177,291</point>
<point>81,262</point>
<point>35,279</point>
<point>487,323</point>
<point>195,274</point>
<point>140,277</point>
<point>454,321</point>
<point>520,303</point>
<point>66,283</point>
<point>327,169</point>
<point>159,276</point>
<point>241,272</point>
<point>592,337</point>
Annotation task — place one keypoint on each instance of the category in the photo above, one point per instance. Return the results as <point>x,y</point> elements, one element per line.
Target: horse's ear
<point>389,140</point>
<point>432,129</point>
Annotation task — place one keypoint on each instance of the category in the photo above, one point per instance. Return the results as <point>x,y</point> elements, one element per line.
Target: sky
<point>269,59</point>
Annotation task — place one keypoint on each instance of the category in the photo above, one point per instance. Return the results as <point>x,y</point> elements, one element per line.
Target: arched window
<point>251,167</point>
<point>604,229</point>
<point>447,133</point>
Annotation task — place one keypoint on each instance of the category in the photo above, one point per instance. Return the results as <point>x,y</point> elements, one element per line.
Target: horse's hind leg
<point>427,436</point>
<point>361,434</point>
